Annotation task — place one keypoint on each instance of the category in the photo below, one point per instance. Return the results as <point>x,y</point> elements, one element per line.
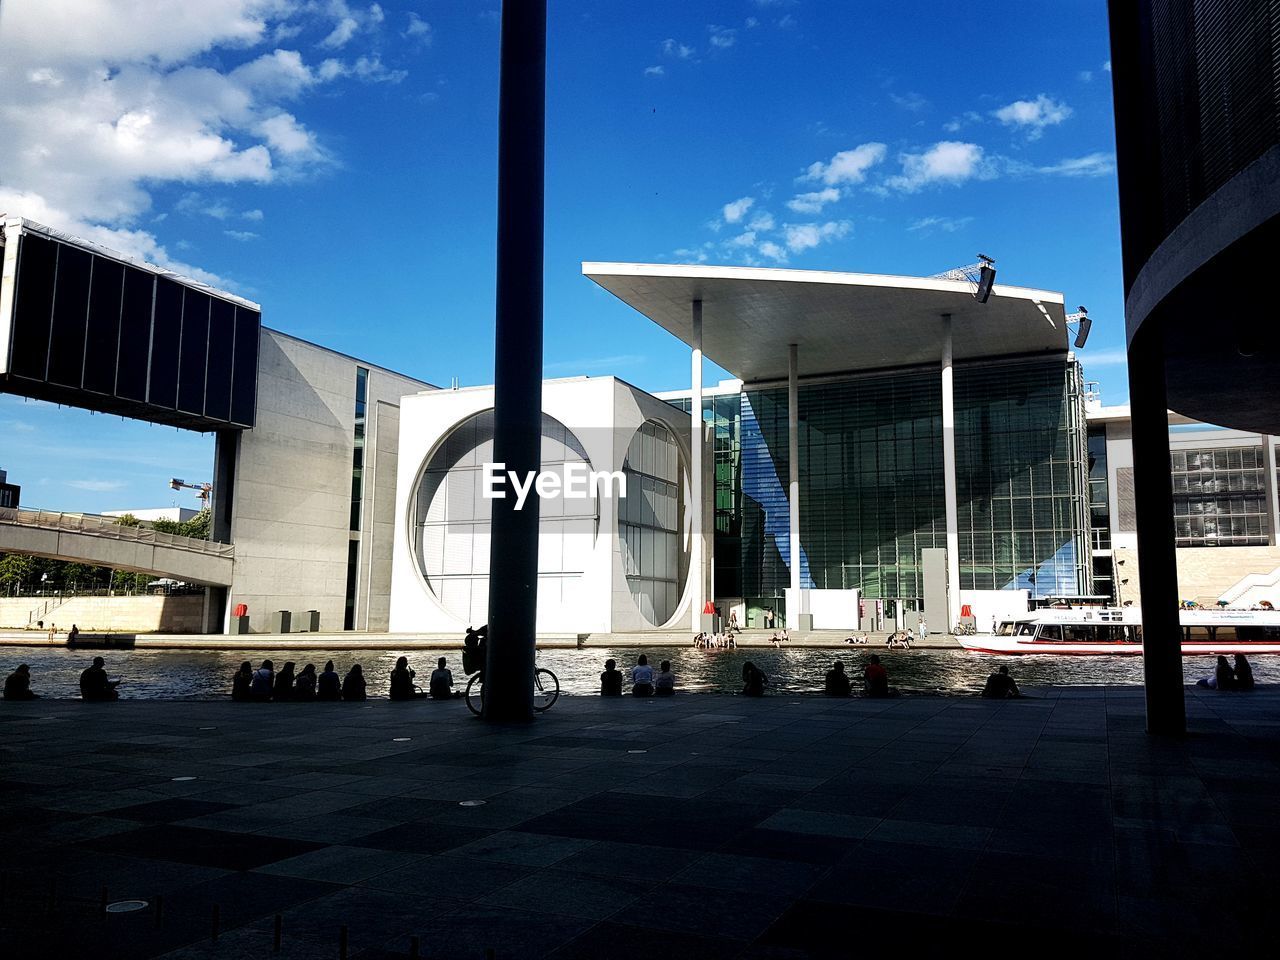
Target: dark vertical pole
<point>513,563</point>
<point>1157,546</point>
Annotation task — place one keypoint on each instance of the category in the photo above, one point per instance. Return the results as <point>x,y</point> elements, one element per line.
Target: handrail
<point>107,527</point>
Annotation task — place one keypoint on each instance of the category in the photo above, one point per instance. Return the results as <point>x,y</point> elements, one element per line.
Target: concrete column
<point>698,592</point>
<point>517,405</point>
<point>949,483</point>
<point>1157,543</point>
<point>793,474</point>
<point>1269,485</point>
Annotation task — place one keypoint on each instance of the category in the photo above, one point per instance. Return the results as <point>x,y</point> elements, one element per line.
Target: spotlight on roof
<point>1081,317</point>
<point>986,278</point>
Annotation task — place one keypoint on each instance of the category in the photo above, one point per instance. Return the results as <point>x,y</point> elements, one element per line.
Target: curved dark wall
<point>1197,104</point>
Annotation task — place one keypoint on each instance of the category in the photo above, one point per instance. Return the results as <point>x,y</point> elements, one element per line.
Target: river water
<point>206,674</point>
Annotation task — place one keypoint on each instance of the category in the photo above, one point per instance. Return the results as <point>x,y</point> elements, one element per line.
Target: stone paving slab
<point>700,826</point>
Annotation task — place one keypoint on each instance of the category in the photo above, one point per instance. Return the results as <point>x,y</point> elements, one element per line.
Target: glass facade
<point>650,521</point>
<point>357,496</point>
<point>451,521</point>
<point>871,482</point>
<point>1219,497</point>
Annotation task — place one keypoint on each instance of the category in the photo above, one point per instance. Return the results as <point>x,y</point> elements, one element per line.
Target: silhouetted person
<point>263,681</point>
<point>94,684</point>
<point>441,685</point>
<point>642,678</point>
<point>283,689</point>
<point>329,684</point>
<point>664,684</point>
<point>72,634</point>
<point>304,688</point>
<point>1226,680</point>
<point>1000,686</point>
<point>475,649</point>
<point>242,682</point>
<point>753,680</point>
<point>17,686</point>
<point>611,680</point>
<point>875,678</point>
<point>837,681</point>
<point>402,687</point>
<point>1244,673</point>
<point>353,684</point>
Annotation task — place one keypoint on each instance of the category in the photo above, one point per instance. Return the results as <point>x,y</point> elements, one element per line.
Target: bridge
<point>102,541</point>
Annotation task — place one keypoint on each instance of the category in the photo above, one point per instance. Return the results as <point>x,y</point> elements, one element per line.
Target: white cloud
<point>255,215</point>
<point>805,236</point>
<point>288,137</point>
<point>722,37</point>
<point>966,119</point>
<point>1107,66</point>
<point>241,235</point>
<point>1033,116</point>
<point>97,486</point>
<point>1092,165</point>
<point>948,161</point>
<point>419,30</point>
<point>342,33</point>
<point>946,224</point>
<point>813,202</point>
<point>848,166</point>
<point>773,251</point>
<point>1085,76</point>
<point>654,71</point>
<point>745,239</point>
<point>192,204</point>
<point>736,210</point>
<point>911,102</point>
<point>762,222</point>
<point>673,48</point>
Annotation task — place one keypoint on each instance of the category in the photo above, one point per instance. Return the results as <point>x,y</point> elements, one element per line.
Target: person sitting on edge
<point>402,687</point>
<point>441,685</point>
<point>329,684</point>
<point>283,688</point>
<point>304,688</point>
<point>72,634</point>
<point>1000,686</point>
<point>263,677</point>
<point>241,682</point>
<point>837,681</point>
<point>94,684</point>
<point>753,680</point>
<point>642,678</point>
<point>875,678</point>
<point>664,684</point>
<point>1226,680</point>
<point>17,686</point>
<point>1244,673</point>
<point>611,680</point>
<point>353,684</point>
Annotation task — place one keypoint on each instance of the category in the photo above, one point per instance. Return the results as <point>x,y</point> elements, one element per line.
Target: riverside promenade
<point>698,827</point>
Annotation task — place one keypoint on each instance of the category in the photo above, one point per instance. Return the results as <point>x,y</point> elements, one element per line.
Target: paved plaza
<point>698,827</point>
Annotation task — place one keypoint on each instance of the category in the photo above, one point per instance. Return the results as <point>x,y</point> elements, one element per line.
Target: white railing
<point>108,528</point>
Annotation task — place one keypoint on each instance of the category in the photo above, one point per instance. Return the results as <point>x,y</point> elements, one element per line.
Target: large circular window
<point>651,521</point>
<point>451,521</point>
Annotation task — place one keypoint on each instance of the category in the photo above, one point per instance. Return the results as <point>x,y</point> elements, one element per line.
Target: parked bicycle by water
<point>546,685</point>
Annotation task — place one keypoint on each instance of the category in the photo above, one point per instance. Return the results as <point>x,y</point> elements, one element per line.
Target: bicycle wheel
<point>475,701</point>
<point>546,689</point>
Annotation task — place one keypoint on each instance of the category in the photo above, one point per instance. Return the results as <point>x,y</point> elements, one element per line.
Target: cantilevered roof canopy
<point>841,322</point>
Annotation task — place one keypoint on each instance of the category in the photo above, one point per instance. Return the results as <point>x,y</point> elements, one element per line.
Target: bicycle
<point>546,691</point>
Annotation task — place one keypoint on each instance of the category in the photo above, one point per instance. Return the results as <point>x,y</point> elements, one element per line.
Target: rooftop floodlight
<point>986,278</point>
<point>176,484</point>
<point>1081,318</point>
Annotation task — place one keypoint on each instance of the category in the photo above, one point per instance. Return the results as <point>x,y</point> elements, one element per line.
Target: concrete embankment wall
<point>137,614</point>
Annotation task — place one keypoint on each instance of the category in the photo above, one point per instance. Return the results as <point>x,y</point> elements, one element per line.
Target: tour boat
<point>1110,630</point>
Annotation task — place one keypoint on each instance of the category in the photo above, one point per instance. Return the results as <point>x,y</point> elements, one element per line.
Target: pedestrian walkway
<point>698,827</point>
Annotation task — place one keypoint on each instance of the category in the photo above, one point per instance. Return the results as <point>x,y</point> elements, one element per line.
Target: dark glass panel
<point>135,334</point>
<point>70,314</point>
<point>194,352</point>
<point>222,331</point>
<point>33,311</point>
<point>103,337</point>
<point>244,377</point>
<point>166,336</point>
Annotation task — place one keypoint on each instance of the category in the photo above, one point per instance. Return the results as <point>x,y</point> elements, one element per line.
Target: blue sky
<point>335,161</point>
